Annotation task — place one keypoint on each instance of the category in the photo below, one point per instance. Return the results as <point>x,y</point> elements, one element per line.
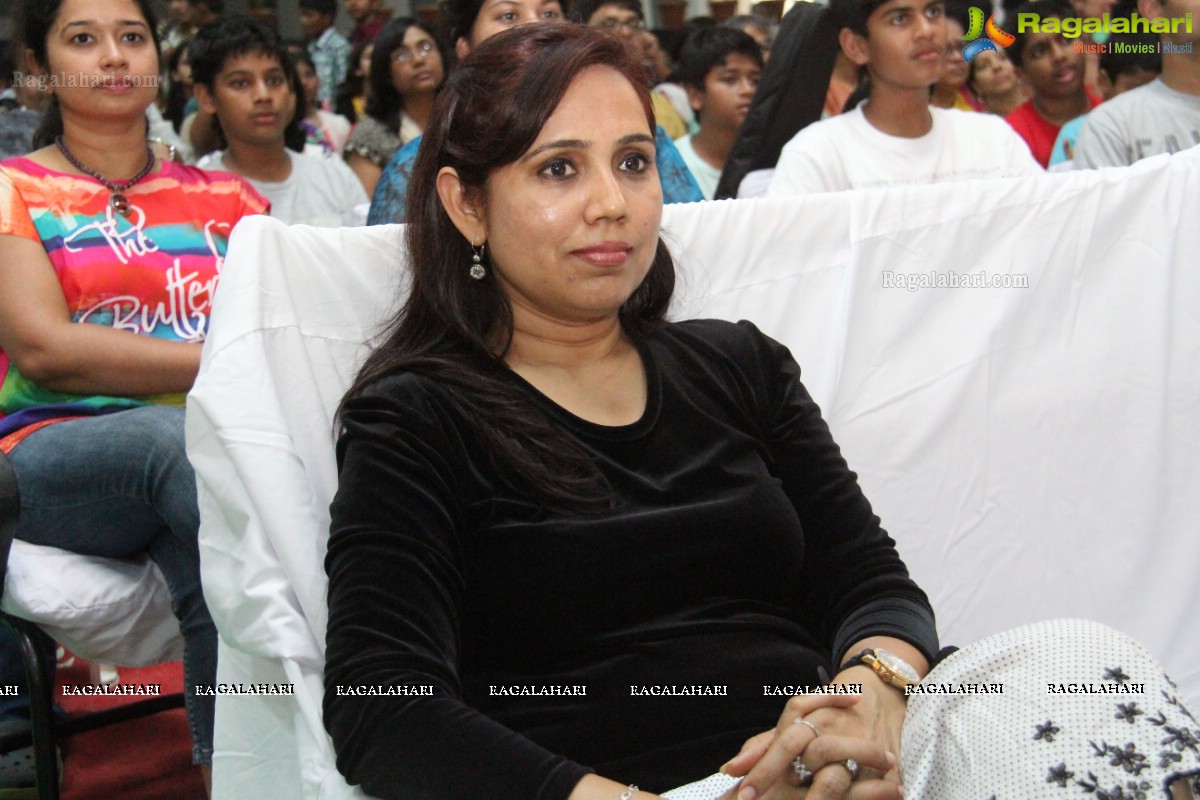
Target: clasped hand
<point>865,728</point>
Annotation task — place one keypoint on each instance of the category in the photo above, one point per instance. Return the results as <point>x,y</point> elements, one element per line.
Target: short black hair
<point>229,37</point>
<point>1044,9</point>
<point>958,10</point>
<point>1143,54</point>
<point>708,48</point>
<point>853,14</point>
<point>226,38</point>
<point>585,8</point>
<point>321,6</point>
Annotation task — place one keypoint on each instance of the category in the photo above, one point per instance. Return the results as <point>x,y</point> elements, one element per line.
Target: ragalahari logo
<point>996,38</point>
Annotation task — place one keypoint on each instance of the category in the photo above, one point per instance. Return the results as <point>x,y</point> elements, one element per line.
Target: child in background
<point>951,89</point>
<point>993,79</point>
<point>1055,73</point>
<point>895,137</point>
<point>330,50</point>
<point>244,77</point>
<point>325,133</point>
<point>720,67</point>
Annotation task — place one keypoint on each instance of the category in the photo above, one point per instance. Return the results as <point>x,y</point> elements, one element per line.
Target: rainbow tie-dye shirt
<point>153,273</point>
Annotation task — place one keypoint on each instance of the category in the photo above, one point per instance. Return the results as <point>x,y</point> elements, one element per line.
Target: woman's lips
<point>604,254</point>
<point>116,84</point>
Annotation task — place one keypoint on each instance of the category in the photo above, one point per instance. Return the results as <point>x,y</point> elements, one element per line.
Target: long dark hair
<point>384,103</point>
<point>37,20</point>
<point>353,85</point>
<point>457,330</point>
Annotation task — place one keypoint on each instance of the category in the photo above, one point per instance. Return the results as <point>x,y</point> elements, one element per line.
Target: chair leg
<point>41,708</point>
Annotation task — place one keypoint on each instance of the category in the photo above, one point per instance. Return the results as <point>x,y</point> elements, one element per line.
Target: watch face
<point>897,665</point>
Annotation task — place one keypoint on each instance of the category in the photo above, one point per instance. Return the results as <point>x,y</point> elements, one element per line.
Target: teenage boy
<point>1161,117</point>
<point>1055,73</point>
<point>330,50</point>
<point>243,77</point>
<point>895,137</point>
<point>720,68</point>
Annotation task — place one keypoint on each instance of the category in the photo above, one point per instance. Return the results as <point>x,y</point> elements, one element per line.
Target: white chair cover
<point>1035,452</point>
<point>106,610</point>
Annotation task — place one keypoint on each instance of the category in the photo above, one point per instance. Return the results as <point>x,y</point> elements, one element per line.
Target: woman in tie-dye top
<point>105,291</point>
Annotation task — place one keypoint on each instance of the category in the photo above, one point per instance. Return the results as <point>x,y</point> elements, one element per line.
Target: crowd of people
<point>365,99</point>
<point>517,404</point>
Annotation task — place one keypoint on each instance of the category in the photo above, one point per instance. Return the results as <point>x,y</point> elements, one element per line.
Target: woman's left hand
<point>867,730</point>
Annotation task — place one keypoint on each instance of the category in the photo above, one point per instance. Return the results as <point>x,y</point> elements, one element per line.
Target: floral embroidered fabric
<point>1084,711</point>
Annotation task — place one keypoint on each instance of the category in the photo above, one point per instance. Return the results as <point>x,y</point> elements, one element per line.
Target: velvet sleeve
<point>853,581</point>
<point>399,519</point>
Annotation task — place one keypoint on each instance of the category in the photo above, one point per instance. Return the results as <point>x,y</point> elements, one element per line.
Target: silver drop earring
<point>477,271</point>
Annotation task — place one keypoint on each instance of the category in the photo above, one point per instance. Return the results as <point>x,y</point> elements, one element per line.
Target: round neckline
<point>161,170</point>
<point>617,432</point>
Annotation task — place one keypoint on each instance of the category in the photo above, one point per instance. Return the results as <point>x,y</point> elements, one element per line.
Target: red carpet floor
<point>144,759</point>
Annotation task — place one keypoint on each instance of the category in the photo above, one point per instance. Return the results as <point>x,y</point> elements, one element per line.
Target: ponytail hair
<point>50,127</point>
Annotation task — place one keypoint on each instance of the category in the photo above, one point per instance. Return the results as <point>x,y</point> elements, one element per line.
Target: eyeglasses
<point>611,25</point>
<point>402,55</point>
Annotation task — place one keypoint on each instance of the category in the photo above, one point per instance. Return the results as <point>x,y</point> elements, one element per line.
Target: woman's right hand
<point>775,751</point>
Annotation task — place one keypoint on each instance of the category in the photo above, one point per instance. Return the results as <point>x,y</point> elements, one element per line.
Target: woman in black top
<point>571,537</point>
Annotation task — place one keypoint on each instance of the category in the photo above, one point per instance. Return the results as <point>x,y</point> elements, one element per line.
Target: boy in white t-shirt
<point>895,137</point>
<point>720,69</point>
<point>244,76</point>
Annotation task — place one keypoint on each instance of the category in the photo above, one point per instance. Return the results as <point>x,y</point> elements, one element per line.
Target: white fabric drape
<point>1035,452</point>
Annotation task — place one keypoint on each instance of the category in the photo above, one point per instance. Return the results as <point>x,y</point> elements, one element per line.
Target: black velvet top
<point>741,555</point>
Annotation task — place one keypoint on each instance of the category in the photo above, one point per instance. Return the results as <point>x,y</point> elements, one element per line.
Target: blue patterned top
<point>331,59</point>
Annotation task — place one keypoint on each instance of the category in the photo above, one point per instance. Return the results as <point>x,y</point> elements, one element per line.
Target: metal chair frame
<point>45,731</point>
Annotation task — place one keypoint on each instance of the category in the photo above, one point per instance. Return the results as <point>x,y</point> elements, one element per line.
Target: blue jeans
<point>119,485</point>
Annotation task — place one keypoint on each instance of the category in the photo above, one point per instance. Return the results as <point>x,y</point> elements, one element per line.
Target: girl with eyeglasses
<point>407,70</point>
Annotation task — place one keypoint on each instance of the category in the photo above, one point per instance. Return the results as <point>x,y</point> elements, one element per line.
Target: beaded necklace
<point>118,201</point>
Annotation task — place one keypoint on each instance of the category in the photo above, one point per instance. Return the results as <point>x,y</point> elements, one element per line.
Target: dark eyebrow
<point>635,138</point>
<point>125,23</point>
<point>580,144</point>
<point>557,144</point>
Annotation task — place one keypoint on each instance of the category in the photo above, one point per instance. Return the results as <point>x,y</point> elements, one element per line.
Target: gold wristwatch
<point>888,666</point>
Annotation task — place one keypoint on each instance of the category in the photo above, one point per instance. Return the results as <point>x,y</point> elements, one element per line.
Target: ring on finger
<point>807,724</point>
<point>802,771</point>
<point>851,765</point>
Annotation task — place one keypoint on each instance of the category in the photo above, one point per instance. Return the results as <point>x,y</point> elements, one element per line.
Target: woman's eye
<point>552,14</point>
<point>635,163</point>
<point>558,169</point>
<point>508,16</point>
<point>133,37</point>
<point>81,38</point>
